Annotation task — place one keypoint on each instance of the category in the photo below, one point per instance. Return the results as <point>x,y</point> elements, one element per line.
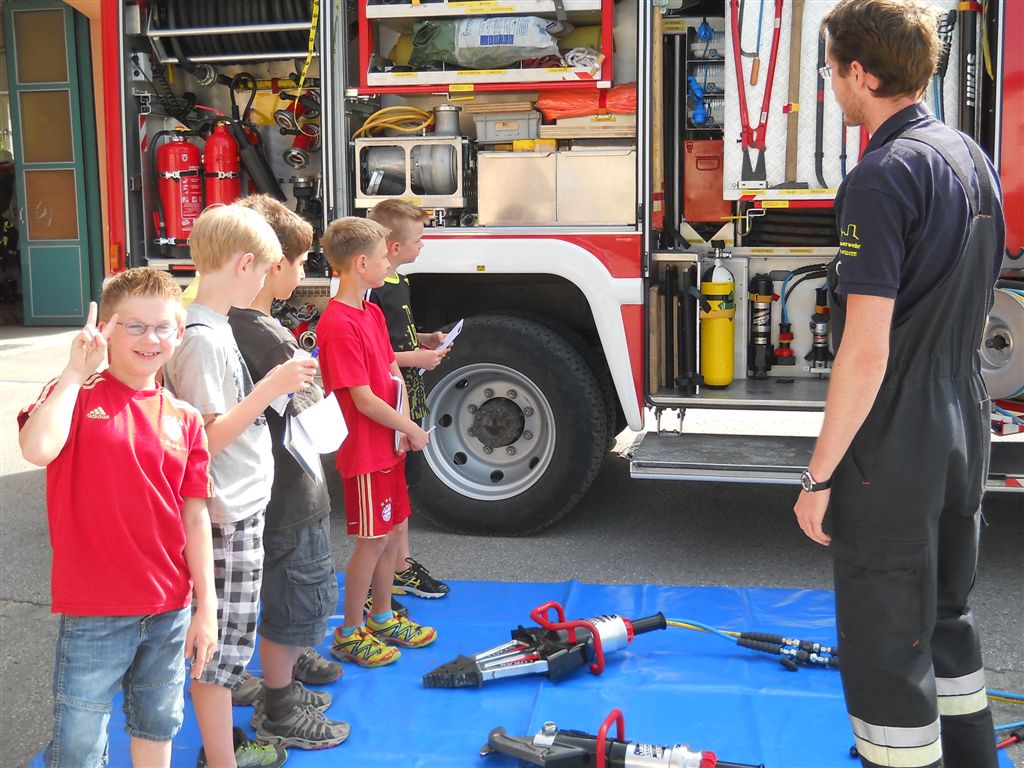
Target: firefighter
<point>901,460</point>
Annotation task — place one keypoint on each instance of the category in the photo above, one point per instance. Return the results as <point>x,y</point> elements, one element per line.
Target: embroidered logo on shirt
<point>849,242</point>
<point>97,413</point>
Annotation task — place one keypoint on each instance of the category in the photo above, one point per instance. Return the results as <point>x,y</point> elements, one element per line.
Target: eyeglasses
<point>162,330</point>
<point>825,73</point>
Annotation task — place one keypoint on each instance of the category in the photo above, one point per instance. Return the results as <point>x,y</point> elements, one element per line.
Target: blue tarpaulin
<point>673,686</point>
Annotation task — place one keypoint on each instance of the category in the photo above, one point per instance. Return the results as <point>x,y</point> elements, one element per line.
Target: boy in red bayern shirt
<point>126,490</point>
<point>358,364</point>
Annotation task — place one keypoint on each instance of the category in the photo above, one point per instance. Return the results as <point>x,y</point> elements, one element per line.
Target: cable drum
<point>1002,346</point>
<point>189,14</point>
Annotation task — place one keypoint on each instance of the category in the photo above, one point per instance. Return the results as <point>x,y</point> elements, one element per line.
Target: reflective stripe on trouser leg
<point>961,695</point>
<point>895,746</point>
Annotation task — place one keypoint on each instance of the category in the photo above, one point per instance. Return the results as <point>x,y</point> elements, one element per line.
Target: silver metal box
<point>516,188</point>
<point>596,187</point>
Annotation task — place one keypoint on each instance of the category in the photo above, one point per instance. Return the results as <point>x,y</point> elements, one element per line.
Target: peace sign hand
<point>89,349</point>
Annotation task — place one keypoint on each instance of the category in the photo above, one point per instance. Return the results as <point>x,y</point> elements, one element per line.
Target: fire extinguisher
<point>717,318</point>
<point>179,187</point>
<point>221,167</point>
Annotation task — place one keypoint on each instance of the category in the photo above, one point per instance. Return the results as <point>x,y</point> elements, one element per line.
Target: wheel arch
<point>595,295</point>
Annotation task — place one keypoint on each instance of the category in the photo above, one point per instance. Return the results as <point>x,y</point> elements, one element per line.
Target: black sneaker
<point>305,728</point>
<point>251,754</point>
<point>246,690</point>
<point>314,669</point>
<point>396,607</point>
<point>416,580</point>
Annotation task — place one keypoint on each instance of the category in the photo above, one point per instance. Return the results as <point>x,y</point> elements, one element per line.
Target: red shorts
<point>377,501</point>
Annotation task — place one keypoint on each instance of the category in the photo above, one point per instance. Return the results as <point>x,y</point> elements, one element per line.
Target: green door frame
<point>59,277</point>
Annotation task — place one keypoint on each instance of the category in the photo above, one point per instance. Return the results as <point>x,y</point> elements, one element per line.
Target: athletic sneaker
<point>251,754</point>
<point>403,631</point>
<point>396,607</point>
<point>416,580</point>
<point>305,727</point>
<point>318,700</point>
<point>362,648</point>
<point>314,669</point>
<point>247,690</point>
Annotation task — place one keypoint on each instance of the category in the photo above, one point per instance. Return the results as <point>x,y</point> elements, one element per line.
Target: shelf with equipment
<point>378,75</point>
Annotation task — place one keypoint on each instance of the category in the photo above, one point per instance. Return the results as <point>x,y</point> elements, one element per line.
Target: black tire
<point>614,420</point>
<point>519,389</point>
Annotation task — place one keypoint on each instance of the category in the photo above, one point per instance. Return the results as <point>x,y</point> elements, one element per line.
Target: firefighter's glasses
<point>162,330</point>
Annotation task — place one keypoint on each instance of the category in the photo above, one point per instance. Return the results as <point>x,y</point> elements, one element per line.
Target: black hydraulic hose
<point>810,276</point>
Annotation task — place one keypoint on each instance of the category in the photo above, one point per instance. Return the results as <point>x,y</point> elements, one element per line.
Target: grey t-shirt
<point>208,372</point>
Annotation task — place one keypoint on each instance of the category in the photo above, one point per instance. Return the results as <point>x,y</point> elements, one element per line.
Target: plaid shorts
<point>237,573</point>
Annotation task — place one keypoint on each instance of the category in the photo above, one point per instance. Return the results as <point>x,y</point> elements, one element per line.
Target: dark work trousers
<point>904,511</point>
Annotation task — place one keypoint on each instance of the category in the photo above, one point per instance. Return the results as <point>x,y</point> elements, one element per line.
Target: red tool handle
<point>539,614</point>
<point>602,734</point>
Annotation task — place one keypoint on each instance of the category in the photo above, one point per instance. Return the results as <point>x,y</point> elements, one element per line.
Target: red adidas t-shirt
<point>114,497</point>
<point>355,351</point>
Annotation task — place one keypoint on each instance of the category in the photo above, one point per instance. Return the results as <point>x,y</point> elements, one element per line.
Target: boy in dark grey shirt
<point>300,588</point>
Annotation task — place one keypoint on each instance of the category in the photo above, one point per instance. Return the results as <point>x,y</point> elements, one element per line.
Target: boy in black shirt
<point>300,589</point>
<point>413,351</point>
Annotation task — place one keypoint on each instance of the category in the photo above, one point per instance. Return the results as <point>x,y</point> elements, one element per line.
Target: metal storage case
<point>516,188</point>
<point>612,201</point>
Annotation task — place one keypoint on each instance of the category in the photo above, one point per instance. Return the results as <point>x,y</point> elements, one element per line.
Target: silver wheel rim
<point>489,406</point>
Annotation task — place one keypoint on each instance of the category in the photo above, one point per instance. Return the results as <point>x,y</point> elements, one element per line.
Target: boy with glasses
<point>126,491</point>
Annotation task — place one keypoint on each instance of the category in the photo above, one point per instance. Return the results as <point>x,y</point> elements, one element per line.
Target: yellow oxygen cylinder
<point>717,324</point>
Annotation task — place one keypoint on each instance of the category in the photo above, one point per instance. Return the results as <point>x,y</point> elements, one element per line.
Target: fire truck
<point>630,201</point>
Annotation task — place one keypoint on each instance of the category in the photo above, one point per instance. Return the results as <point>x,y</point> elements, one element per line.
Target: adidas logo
<point>97,413</point>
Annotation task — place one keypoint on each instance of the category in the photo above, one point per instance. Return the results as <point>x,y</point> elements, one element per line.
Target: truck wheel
<point>519,429</point>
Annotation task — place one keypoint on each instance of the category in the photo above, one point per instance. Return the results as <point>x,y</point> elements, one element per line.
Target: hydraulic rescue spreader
<point>553,648</point>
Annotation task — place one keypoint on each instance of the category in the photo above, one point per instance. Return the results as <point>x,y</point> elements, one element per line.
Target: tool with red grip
<point>551,746</point>
<point>555,648</point>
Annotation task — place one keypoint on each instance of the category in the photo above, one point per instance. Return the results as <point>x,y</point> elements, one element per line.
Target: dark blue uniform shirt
<point>902,215</point>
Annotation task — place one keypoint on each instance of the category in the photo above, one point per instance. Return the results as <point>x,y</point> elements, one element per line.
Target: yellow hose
<point>403,119</point>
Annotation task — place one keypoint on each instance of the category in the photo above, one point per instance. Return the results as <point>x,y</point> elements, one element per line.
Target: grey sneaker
<point>314,669</point>
<point>305,728</point>
<point>251,754</point>
<point>247,690</point>
<point>318,700</point>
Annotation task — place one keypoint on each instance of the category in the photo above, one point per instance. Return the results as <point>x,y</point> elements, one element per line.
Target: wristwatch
<point>811,485</point>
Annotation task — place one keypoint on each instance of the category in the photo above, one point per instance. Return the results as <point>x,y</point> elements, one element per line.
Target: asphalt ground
<point>623,531</point>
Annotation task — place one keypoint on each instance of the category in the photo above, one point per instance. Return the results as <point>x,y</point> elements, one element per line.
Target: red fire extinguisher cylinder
<point>221,167</point>
<point>179,187</point>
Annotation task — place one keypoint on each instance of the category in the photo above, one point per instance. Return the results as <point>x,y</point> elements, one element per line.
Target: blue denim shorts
<point>97,655</point>
<point>300,588</point>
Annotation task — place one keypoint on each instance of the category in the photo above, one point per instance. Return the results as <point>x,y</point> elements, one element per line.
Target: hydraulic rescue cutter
<point>553,649</point>
<point>557,748</point>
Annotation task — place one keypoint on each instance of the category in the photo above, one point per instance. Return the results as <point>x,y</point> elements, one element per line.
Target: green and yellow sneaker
<point>251,754</point>
<point>403,631</point>
<point>362,648</point>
